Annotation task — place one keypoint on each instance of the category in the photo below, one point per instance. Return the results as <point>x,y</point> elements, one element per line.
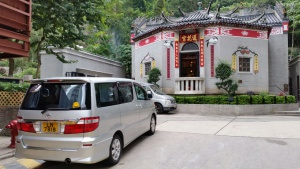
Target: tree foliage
<point>62,24</point>
<point>154,76</point>
<point>124,56</point>
<point>223,72</point>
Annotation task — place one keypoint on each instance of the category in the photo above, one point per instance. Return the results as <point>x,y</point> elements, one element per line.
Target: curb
<point>7,155</point>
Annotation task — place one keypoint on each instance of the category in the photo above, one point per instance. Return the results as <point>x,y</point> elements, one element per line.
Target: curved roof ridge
<point>257,18</point>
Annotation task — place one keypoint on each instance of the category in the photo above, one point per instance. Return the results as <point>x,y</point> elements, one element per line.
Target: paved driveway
<point>208,142</point>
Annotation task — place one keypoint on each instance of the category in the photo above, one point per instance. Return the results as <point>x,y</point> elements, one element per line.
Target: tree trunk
<point>11,67</point>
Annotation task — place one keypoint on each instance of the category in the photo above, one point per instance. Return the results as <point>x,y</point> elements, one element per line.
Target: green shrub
<point>237,100</point>
<point>256,99</point>
<point>280,99</point>
<point>13,87</point>
<point>291,99</point>
<point>268,99</point>
<point>243,99</point>
<point>29,71</point>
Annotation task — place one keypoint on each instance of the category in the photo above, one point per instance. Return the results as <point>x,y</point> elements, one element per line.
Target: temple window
<point>147,68</point>
<point>245,64</point>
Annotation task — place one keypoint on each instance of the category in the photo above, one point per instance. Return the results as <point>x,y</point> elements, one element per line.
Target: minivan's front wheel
<point>159,108</point>
<point>152,126</point>
<point>115,150</point>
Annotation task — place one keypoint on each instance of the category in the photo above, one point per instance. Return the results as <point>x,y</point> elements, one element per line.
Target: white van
<point>82,119</point>
<point>163,102</point>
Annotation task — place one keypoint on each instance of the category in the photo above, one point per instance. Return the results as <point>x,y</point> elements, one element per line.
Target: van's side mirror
<point>149,95</point>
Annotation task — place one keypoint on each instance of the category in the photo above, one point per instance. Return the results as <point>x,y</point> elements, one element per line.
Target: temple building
<point>187,49</point>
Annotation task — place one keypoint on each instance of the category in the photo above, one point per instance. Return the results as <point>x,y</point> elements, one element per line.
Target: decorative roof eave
<point>232,12</point>
<point>256,19</point>
<point>182,13</point>
<point>166,19</point>
<point>198,24</point>
<point>208,9</point>
<point>216,16</point>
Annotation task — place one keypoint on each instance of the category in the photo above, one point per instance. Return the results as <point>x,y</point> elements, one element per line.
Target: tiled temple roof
<point>260,20</point>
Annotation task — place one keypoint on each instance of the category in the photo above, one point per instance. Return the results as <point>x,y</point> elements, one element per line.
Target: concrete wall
<point>278,63</point>
<point>235,110</point>
<point>224,49</point>
<point>7,114</point>
<point>86,63</point>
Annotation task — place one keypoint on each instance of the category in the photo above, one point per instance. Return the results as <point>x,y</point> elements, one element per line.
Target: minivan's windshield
<point>64,96</point>
<point>156,90</point>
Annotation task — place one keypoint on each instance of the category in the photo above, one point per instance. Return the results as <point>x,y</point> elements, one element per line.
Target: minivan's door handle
<point>138,106</point>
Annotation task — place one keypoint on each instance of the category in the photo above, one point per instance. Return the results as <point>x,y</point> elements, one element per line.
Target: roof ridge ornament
<point>232,12</point>
<point>257,18</point>
<point>217,15</point>
<point>182,13</point>
<point>166,19</point>
<point>208,9</point>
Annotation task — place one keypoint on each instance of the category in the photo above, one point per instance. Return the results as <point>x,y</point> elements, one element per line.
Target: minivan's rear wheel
<point>159,108</point>
<point>152,126</point>
<point>115,150</point>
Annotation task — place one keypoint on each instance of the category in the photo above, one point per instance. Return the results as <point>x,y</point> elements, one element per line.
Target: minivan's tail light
<point>23,126</point>
<point>84,125</point>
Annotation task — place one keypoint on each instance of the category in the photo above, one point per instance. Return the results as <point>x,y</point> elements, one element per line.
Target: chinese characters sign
<point>212,60</point>
<point>176,54</point>
<point>193,37</point>
<point>202,52</point>
<point>168,64</point>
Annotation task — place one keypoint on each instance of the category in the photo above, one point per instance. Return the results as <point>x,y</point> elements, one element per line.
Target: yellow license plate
<point>50,127</point>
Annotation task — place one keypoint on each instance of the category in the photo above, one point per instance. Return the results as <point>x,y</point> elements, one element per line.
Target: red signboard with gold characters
<point>176,54</point>
<point>202,52</point>
<point>193,37</point>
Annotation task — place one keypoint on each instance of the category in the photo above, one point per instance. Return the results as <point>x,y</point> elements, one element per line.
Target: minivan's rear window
<point>64,96</point>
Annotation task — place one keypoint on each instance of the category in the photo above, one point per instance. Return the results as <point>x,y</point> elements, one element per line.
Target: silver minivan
<point>163,102</point>
<point>82,119</point>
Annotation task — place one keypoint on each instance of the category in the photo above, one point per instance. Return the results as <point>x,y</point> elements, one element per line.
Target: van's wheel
<point>152,126</point>
<point>159,108</point>
<point>115,150</point>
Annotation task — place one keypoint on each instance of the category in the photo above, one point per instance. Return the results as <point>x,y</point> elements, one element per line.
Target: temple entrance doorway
<point>189,60</point>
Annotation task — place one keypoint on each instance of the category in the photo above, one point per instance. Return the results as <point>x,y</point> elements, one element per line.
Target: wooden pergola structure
<point>15,26</point>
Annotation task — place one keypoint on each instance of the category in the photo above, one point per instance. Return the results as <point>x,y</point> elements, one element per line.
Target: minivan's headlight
<point>168,102</point>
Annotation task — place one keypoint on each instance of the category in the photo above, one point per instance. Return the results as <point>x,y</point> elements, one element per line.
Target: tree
<point>293,12</point>
<point>154,76</point>
<point>223,72</point>
<point>62,24</point>
<point>159,7</point>
<point>124,56</point>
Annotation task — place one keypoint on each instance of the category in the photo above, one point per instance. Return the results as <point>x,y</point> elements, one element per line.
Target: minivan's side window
<point>140,92</point>
<point>106,94</point>
<point>125,92</point>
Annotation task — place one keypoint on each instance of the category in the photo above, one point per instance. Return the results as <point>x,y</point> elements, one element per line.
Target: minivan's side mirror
<point>149,95</point>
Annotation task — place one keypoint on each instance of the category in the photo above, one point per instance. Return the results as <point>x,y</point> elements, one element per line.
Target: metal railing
<point>190,85</point>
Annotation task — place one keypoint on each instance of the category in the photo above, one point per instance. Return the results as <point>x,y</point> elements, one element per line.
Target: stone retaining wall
<point>235,110</point>
<point>7,114</point>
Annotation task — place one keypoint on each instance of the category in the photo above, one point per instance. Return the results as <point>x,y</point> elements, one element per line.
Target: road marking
<point>1,167</point>
<point>28,163</point>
